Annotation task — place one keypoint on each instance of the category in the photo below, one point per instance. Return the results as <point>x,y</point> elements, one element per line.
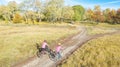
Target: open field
<point>101,28</point>
<point>101,52</point>
<point>76,24</point>
<point>106,25</point>
<point>17,42</point>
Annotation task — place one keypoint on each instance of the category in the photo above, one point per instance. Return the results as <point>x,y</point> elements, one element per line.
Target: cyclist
<point>58,50</point>
<point>44,46</point>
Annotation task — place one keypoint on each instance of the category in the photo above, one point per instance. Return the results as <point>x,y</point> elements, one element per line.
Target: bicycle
<point>40,51</point>
<point>51,54</point>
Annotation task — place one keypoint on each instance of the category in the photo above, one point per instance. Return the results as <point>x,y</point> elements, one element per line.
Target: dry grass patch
<point>17,42</point>
<point>101,52</point>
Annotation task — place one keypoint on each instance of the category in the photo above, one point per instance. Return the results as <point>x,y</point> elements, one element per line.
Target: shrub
<point>17,18</point>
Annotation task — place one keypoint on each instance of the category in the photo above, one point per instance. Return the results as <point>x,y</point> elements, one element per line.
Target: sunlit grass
<point>103,25</point>
<point>101,28</point>
<point>17,42</point>
<point>101,52</point>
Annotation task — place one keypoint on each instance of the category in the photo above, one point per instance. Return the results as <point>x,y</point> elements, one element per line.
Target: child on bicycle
<point>44,46</point>
<point>58,50</point>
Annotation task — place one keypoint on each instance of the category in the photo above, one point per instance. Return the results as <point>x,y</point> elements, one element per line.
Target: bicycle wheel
<point>39,54</point>
<point>52,57</point>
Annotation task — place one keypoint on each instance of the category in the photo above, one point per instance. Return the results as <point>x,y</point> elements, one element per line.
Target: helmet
<point>59,43</point>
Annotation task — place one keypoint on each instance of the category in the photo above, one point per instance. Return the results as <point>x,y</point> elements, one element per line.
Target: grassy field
<point>101,52</point>
<point>101,28</point>
<point>98,30</point>
<point>104,25</point>
<point>18,42</point>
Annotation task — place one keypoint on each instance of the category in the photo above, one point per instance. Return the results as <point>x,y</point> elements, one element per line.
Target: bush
<point>17,18</point>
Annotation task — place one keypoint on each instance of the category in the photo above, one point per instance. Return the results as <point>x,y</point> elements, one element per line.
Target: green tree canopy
<point>78,12</point>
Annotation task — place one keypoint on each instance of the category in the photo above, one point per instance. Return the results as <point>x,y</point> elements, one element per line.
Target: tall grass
<point>18,42</point>
<point>102,52</point>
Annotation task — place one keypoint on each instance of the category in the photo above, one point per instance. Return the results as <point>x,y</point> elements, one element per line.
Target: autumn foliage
<point>55,11</point>
<point>108,15</point>
<point>17,18</point>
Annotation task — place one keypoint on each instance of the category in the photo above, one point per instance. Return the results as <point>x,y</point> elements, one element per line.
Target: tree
<point>38,8</point>
<point>78,12</point>
<point>17,18</point>
<point>118,16</point>
<point>12,5</point>
<point>25,6</point>
<point>89,14</point>
<point>1,12</point>
<point>53,10</point>
<point>67,13</point>
<point>106,14</point>
<point>5,13</point>
<point>98,15</point>
<point>112,16</point>
<point>31,16</point>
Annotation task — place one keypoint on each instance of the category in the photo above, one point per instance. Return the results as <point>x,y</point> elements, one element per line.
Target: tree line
<point>108,15</point>
<point>36,11</point>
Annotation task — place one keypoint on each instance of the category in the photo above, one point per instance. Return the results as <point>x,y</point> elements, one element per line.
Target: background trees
<point>67,13</point>
<point>118,16</point>
<point>17,18</point>
<point>35,11</point>
<point>5,13</point>
<point>99,15</point>
<point>89,15</point>
<point>53,10</point>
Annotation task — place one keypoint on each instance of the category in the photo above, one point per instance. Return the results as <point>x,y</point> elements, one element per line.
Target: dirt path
<point>75,42</point>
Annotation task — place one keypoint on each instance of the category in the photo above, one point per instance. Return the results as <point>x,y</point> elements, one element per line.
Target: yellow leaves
<point>17,18</point>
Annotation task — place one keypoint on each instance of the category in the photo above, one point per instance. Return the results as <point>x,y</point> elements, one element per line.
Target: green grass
<point>101,52</point>
<point>18,42</point>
